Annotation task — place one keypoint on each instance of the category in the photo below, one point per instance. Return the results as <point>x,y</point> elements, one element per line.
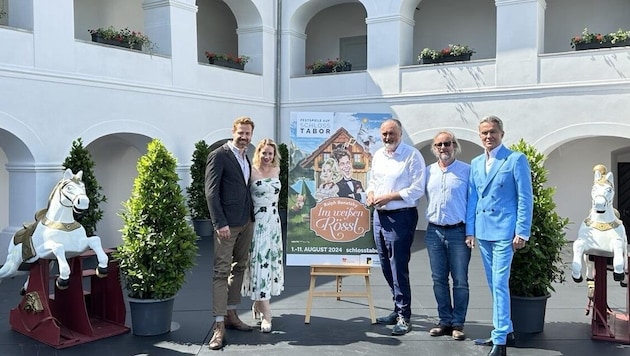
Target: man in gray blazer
<point>231,210</point>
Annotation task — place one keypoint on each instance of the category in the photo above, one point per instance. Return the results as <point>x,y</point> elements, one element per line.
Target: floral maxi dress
<point>264,276</point>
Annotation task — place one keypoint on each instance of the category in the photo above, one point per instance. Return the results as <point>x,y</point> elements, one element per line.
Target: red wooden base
<point>72,316</point>
<point>608,326</point>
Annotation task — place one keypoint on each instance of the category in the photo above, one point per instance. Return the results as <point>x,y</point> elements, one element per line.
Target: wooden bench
<point>340,271</point>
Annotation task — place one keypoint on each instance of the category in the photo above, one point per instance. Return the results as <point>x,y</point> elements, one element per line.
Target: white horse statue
<point>602,232</point>
<point>56,234</point>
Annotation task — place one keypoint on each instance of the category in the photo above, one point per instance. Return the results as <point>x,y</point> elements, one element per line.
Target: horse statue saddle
<point>24,235</point>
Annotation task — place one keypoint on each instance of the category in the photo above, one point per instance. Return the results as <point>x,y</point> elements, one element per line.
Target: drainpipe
<point>278,72</point>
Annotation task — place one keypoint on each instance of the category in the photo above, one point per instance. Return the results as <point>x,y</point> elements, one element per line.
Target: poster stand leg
<point>340,271</point>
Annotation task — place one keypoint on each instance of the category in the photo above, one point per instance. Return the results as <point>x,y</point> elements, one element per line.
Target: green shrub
<point>159,245</point>
<point>80,159</point>
<point>196,190</point>
<point>284,176</point>
<point>537,266</point>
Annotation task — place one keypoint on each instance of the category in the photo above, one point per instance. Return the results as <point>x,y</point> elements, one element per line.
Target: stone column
<point>171,25</point>
<point>520,36</point>
<point>53,33</point>
<point>385,35</point>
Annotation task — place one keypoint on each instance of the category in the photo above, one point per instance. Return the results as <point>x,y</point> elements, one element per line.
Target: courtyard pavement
<point>337,327</point>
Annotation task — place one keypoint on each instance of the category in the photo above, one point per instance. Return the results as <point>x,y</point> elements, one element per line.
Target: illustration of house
<point>340,140</point>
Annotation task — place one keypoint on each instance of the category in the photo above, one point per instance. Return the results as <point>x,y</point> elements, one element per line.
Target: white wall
<point>443,22</point>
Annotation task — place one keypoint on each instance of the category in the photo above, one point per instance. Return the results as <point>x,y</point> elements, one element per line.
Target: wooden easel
<point>72,316</point>
<point>604,325</point>
<point>340,271</point>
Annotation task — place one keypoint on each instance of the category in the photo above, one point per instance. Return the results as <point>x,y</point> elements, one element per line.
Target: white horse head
<point>603,191</point>
<point>602,233</point>
<point>56,235</point>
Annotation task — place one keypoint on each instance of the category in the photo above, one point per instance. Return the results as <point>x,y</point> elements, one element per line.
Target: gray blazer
<point>227,192</point>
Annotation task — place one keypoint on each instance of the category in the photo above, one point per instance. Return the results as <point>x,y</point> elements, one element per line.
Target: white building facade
<point>56,85</point>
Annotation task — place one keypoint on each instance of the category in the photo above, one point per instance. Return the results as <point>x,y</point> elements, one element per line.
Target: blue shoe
<point>388,320</point>
<point>402,327</point>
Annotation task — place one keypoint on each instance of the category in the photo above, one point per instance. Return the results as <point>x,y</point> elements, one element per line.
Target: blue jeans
<point>393,235</point>
<point>448,254</point>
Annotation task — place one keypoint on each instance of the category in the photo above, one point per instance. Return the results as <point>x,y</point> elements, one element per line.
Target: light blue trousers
<point>497,259</point>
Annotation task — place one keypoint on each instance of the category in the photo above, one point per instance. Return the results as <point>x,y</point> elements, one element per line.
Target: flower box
<point>592,45</point>
<point>589,40</point>
<point>322,70</point>
<point>445,59</point>
<point>330,66</point>
<point>227,60</point>
<point>344,68</point>
<point>98,39</point>
<point>226,63</point>
<point>452,53</point>
<point>621,43</point>
<point>125,38</point>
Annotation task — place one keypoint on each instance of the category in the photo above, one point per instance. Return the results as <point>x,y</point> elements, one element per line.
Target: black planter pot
<point>227,64</point>
<point>445,59</point>
<point>592,45</point>
<point>621,43</point>
<point>151,317</point>
<point>345,68</point>
<point>528,313</point>
<point>98,39</point>
<point>322,70</point>
<point>203,227</point>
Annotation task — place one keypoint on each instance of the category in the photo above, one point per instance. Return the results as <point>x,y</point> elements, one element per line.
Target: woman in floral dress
<point>265,273</point>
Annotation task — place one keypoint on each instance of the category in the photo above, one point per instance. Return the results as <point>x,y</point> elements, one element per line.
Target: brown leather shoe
<point>440,330</point>
<point>218,334</point>
<point>458,333</point>
<point>232,321</point>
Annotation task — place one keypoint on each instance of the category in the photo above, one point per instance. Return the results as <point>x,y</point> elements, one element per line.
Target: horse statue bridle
<point>57,225</point>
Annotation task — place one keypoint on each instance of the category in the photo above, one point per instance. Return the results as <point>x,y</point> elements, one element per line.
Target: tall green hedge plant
<point>537,266</point>
<point>80,159</point>
<point>284,176</point>
<point>196,190</point>
<point>159,246</point>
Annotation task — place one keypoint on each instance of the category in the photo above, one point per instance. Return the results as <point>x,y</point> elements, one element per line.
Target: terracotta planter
<point>98,39</point>
<point>445,59</point>
<point>226,63</point>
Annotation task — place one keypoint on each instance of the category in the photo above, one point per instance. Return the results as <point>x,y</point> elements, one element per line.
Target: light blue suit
<point>500,206</point>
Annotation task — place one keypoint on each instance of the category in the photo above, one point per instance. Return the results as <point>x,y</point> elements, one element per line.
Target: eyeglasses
<point>445,144</point>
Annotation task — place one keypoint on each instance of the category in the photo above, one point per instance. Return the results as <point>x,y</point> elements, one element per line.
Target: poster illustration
<point>329,165</point>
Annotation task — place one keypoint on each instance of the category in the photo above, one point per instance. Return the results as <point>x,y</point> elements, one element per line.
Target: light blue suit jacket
<point>500,203</point>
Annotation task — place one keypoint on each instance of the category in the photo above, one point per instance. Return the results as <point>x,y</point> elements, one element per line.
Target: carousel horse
<point>55,235</point>
<point>602,232</point>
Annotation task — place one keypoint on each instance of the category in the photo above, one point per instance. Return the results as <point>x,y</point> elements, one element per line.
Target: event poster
<point>329,167</point>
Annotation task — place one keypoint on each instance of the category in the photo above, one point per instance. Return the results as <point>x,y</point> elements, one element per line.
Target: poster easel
<point>340,271</point>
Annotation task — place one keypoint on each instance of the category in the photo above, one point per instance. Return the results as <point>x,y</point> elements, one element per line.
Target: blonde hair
<point>334,167</point>
<point>261,146</point>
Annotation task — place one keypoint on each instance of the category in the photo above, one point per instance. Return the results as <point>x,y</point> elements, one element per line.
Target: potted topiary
<point>537,266</point>
<point>196,190</point>
<point>80,159</point>
<point>159,246</point>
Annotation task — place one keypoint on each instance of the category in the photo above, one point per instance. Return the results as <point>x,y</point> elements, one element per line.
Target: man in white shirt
<point>396,185</point>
